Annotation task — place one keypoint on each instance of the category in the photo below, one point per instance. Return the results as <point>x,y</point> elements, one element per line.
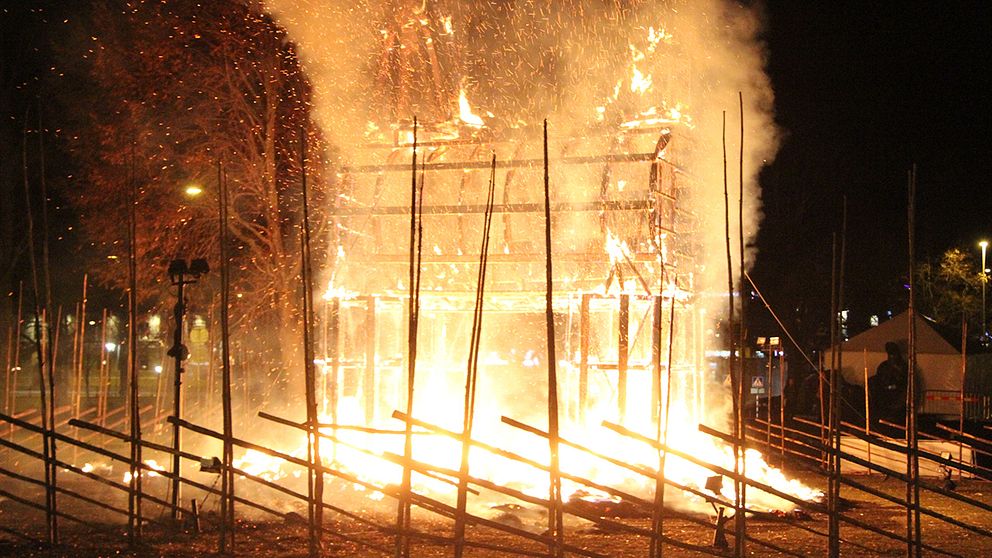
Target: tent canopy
<point>938,363</point>
<point>928,341</point>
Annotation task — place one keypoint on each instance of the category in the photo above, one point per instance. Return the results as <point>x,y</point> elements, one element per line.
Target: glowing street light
<point>193,190</point>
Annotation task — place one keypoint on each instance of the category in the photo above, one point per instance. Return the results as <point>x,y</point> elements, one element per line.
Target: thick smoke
<point>524,61</point>
<point>589,68</point>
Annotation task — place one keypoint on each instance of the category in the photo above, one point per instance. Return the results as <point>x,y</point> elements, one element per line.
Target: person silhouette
<point>887,388</point>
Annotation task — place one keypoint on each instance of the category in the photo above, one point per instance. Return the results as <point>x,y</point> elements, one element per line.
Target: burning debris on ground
<point>467,293</point>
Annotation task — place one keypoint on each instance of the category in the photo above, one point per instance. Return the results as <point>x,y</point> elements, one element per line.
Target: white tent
<point>938,363</point>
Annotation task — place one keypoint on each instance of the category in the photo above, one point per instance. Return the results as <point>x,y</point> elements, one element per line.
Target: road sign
<point>757,384</point>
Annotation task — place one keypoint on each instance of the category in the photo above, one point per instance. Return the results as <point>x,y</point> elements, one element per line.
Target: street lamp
<point>180,275</point>
<point>985,279</point>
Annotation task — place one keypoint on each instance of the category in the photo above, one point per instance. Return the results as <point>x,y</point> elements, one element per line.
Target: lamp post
<point>180,274</point>
<point>985,278</point>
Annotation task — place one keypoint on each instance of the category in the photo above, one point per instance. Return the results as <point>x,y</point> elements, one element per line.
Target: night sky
<point>863,91</point>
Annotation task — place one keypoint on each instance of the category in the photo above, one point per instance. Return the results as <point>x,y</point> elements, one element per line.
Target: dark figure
<point>887,388</point>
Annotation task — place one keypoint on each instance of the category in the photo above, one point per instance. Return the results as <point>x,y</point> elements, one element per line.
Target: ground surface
<point>288,538</point>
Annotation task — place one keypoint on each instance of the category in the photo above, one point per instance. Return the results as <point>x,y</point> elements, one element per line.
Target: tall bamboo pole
<point>8,387</point>
<point>316,483</point>
<point>402,542</point>
<point>964,370</point>
<point>12,405</point>
<point>50,347</point>
<point>867,406</point>
<point>80,359</point>
<point>833,532</point>
<point>740,539</point>
<point>623,351</point>
<point>913,534</point>
<point>835,470</point>
<point>41,350</point>
<point>73,366</point>
<point>103,380</point>
<point>555,520</point>
<point>656,549</point>
<point>134,488</point>
<point>227,479</point>
<point>472,370</point>
<point>735,380</point>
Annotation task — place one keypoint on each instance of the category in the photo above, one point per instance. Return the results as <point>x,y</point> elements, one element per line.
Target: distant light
<point>984,244</point>
<point>158,368</point>
<point>111,347</point>
<point>193,190</point>
<point>111,257</point>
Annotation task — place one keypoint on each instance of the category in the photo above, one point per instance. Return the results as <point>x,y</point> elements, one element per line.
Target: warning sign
<point>757,385</point>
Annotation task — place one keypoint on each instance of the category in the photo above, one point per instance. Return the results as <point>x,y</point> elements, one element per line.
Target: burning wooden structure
<point>623,250</point>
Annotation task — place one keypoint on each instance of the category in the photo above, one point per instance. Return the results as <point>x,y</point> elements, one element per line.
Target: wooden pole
<point>781,401</point>
<point>12,407</point>
<point>735,380</point>
<point>403,507</point>
<point>584,354</point>
<point>227,479</point>
<point>740,525</point>
<point>833,544</point>
<point>40,349</point>
<point>101,394</point>
<point>867,404</point>
<point>913,532</point>
<point>656,372</point>
<point>964,370</point>
<point>659,489</point>
<point>316,476</point>
<point>623,351</point>
<point>472,371</point>
<point>49,346</point>
<point>134,493</point>
<point>368,380</point>
<point>80,360</point>
<point>8,387</point>
<point>555,521</point>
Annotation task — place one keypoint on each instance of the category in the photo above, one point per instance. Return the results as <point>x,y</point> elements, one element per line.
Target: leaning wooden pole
<point>12,405</point>
<point>316,476</point>
<point>827,422</point>
<point>964,371</point>
<point>402,542</point>
<point>134,406</point>
<point>472,370</point>
<point>81,359</point>
<point>742,338</point>
<point>658,511</point>
<point>735,380</point>
<point>227,479</point>
<point>50,347</point>
<point>51,517</point>
<point>555,520</point>
<point>913,534</point>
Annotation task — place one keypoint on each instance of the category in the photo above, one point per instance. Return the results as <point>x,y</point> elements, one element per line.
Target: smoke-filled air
<point>636,96</point>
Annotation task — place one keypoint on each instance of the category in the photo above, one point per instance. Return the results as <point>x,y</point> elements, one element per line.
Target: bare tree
<point>180,86</point>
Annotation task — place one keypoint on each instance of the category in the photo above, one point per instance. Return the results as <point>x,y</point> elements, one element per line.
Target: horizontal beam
<point>514,163</point>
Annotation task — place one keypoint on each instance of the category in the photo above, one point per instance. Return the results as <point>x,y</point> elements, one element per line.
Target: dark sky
<point>864,90</point>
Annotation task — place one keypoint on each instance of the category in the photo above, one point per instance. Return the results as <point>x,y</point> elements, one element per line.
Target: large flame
<point>638,92</point>
<point>465,113</point>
